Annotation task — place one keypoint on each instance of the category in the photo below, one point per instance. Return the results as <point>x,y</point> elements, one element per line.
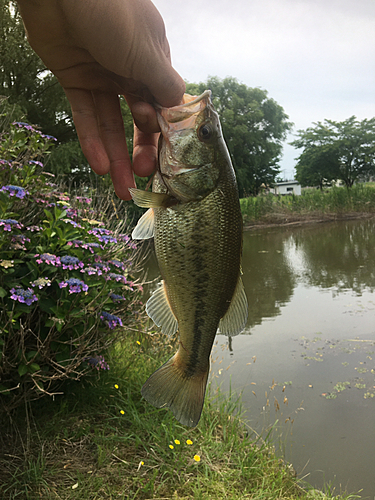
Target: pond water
<point>305,364</point>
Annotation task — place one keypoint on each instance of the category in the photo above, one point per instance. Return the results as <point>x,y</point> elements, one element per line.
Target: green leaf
<point>48,215</point>
<point>22,369</point>
<point>2,292</point>
<point>33,367</point>
<point>31,355</point>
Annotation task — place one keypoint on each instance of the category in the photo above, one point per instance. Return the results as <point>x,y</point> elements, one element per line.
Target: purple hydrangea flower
<point>116,298</point>
<point>92,270</point>
<point>91,246</point>
<point>126,239</point>
<point>117,263</point>
<point>9,224</point>
<point>71,263</point>
<point>72,222</point>
<point>62,196</point>
<point>71,212</point>
<point>75,285</point>
<point>103,235</point>
<point>76,243</point>
<point>49,137</point>
<point>83,199</point>
<point>27,126</point>
<point>103,267</point>
<point>17,191</point>
<point>110,319</point>
<point>82,244</point>
<point>24,296</point>
<point>34,162</point>
<point>18,241</point>
<point>116,277</point>
<point>98,362</point>
<point>48,258</point>
<point>100,230</point>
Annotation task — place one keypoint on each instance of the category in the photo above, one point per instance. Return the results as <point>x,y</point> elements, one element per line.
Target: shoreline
<point>275,220</point>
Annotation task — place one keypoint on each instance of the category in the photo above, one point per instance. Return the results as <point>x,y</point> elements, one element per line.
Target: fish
<point>195,219</point>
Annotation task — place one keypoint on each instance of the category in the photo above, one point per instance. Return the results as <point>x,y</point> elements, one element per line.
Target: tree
<point>317,166</point>
<point>254,127</point>
<point>336,150</point>
<point>26,81</point>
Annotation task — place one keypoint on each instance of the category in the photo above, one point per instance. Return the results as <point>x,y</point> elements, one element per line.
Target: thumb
<point>163,81</point>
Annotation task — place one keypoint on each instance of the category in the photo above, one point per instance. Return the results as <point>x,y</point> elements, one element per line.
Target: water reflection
<point>268,278</point>
<point>311,319</point>
<point>342,256</point>
<point>337,256</point>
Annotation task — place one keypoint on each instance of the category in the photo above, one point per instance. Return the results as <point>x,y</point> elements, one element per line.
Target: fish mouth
<point>179,121</point>
<point>184,115</point>
<point>190,105</point>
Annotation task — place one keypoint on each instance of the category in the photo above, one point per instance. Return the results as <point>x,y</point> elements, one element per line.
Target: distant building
<point>287,187</point>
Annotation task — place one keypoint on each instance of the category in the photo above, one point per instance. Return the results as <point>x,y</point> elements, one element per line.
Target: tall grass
<point>313,203</point>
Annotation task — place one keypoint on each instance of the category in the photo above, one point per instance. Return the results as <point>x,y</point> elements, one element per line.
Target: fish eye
<point>205,132</point>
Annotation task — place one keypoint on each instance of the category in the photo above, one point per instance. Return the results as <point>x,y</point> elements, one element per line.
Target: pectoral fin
<point>148,199</point>
<point>235,318</point>
<point>160,312</point>
<point>145,226</point>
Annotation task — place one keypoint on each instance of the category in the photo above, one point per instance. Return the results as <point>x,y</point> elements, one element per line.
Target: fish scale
<point>197,228</point>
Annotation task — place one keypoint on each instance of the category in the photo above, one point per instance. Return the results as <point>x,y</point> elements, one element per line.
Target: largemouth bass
<point>195,219</point>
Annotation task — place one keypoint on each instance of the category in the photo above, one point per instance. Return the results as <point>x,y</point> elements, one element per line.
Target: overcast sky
<point>316,58</point>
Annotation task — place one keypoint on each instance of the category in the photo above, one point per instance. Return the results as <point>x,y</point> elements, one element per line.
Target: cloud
<point>315,58</point>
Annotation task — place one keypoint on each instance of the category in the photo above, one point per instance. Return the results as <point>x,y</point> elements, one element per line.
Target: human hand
<point>99,50</point>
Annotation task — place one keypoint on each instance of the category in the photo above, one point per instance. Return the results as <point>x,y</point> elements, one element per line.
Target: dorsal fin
<point>160,312</point>
<point>145,226</point>
<point>235,318</point>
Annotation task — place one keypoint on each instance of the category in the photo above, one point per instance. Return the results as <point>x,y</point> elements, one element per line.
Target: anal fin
<point>234,321</point>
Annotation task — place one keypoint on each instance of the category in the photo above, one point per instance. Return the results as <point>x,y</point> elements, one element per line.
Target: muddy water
<point>305,365</point>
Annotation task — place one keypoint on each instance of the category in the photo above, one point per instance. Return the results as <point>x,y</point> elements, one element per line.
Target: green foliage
<point>336,150</point>
<point>25,80</point>
<point>313,203</point>
<point>65,282</point>
<point>254,126</point>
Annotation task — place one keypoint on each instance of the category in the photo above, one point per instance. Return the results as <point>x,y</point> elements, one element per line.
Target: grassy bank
<point>313,205</point>
<point>102,441</point>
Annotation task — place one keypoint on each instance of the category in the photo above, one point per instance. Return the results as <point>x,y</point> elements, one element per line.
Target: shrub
<point>66,290</point>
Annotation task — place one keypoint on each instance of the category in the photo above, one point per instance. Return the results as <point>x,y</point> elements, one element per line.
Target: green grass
<point>312,204</point>
<point>101,440</point>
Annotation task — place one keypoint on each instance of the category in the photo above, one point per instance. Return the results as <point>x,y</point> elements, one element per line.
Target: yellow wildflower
<point>116,386</point>
<point>122,412</point>
<point>171,446</point>
<point>197,458</point>
<point>189,441</point>
<point>177,441</point>
<point>138,342</point>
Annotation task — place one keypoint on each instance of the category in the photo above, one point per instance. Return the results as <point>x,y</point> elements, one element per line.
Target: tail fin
<point>170,387</point>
